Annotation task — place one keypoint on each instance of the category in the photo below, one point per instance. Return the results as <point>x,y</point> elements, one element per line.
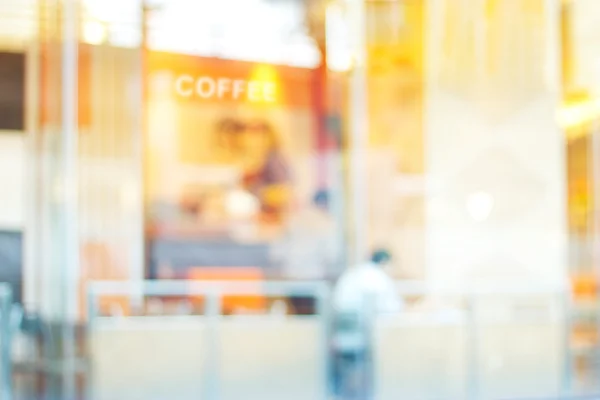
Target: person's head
<point>229,132</point>
<point>249,143</point>
<point>321,199</point>
<point>260,138</point>
<point>381,257</point>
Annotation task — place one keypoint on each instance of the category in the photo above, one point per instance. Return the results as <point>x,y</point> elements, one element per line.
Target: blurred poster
<point>396,157</point>
<point>12,91</point>
<point>229,146</point>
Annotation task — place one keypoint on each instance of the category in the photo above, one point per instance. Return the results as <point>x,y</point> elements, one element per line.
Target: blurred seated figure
<point>310,249</point>
<point>361,292</point>
<point>255,148</point>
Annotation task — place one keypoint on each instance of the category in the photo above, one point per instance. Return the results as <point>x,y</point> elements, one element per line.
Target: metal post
<point>92,306</point>
<point>92,313</point>
<point>69,166</point>
<point>567,383</point>
<point>213,312</point>
<point>323,312</point>
<point>5,342</point>
<point>369,320</point>
<point>143,248</point>
<point>472,349</point>
<point>33,183</point>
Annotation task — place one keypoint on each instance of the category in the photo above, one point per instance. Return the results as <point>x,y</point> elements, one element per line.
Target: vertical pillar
<point>57,149</point>
<point>33,173</point>
<point>495,158</point>
<point>358,132</point>
<point>57,186</point>
<point>321,112</point>
<point>69,159</point>
<point>69,164</point>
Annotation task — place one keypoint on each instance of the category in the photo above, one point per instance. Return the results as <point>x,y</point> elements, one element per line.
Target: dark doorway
<point>12,91</point>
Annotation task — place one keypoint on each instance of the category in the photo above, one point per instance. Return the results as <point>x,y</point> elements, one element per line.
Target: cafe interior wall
<point>110,170</point>
<point>109,242</point>
<point>18,28</point>
<point>110,158</point>
<point>110,144</point>
<point>17,34</point>
<point>109,149</point>
<point>579,30</point>
<point>177,152</point>
<point>397,117</point>
<point>396,137</point>
<point>493,91</point>
<point>110,234</point>
<point>579,115</point>
<point>109,230</point>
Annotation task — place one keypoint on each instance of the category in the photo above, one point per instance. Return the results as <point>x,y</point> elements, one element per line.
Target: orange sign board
<point>199,79</point>
<point>188,79</point>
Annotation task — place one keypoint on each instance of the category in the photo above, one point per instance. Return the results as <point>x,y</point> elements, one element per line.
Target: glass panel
<point>198,353</point>
<point>242,168</point>
<point>259,140</point>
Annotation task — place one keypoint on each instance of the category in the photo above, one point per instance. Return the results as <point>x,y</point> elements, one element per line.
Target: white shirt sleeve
<point>390,301</point>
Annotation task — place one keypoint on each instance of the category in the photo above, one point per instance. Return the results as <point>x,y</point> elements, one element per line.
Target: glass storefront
<point>194,128</point>
<point>182,140</point>
<point>202,144</point>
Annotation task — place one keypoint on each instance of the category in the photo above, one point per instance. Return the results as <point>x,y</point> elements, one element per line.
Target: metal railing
<point>213,293</point>
<point>472,298</point>
<point>476,316</point>
<point>5,342</point>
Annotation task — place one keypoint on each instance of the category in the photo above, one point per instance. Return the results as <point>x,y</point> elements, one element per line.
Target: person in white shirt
<point>361,292</point>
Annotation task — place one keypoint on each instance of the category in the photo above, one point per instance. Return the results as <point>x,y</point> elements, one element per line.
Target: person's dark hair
<point>227,130</point>
<point>381,256</point>
<point>266,129</point>
<point>321,198</point>
<point>230,125</point>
